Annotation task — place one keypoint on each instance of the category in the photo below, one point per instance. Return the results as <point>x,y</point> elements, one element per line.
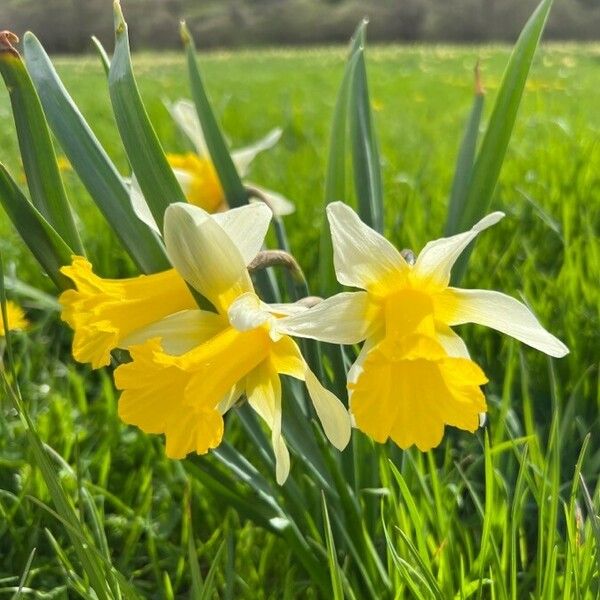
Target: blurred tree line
<point>66,25</point>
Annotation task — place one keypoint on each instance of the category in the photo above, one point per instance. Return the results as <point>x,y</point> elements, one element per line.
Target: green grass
<point>503,518</point>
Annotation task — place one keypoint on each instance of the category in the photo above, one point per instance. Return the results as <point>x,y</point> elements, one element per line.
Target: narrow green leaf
<point>89,561</point>
<point>50,250</point>
<point>234,189</point>
<point>495,142</point>
<point>334,567</point>
<point>39,159</point>
<point>335,179</point>
<point>365,153</point>
<point>209,588</point>
<point>148,161</point>
<point>466,158</point>
<point>101,54</point>
<point>90,161</point>
<point>593,516</point>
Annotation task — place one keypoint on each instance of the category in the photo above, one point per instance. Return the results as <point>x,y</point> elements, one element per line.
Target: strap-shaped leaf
<point>365,153</point>
<point>495,142</point>
<point>148,161</point>
<point>335,178</point>
<point>102,55</point>
<point>233,187</point>
<point>50,250</point>
<point>37,152</point>
<point>90,161</point>
<point>465,161</point>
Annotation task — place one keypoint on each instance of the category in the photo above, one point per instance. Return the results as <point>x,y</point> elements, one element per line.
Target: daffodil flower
<point>413,375</point>
<point>197,175</point>
<point>15,318</point>
<point>189,366</point>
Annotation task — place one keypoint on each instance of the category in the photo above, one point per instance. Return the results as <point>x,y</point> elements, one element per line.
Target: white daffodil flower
<point>413,375</point>
<point>196,173</point>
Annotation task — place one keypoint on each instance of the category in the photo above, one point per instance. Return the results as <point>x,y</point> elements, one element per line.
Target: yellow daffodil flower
<point>15,318</point>
<point>189,366</point>
<point>413,375</point>
<point>197,175</point>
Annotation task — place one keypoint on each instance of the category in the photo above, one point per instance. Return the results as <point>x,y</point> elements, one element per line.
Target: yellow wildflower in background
<point>15,317</point>
<point>197,175</point>
<point>413,375</point>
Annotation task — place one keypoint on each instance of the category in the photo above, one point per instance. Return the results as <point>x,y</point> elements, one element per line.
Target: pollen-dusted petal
<point>154,399</point>
<point>333,415</point>
<point>199,181</point>
<point>411,391</point>
<point>346,318</point>
<point>243,157</point>
<point>204,255</point>
<point>362,257</point>
<point>498,311</point>
<point>181,332</point>
<point>263,389</point>
<point>185,115</point>
<point>103,312</point>
<point>437,258</point>
<point>15,318</point>
<point>247,227</point>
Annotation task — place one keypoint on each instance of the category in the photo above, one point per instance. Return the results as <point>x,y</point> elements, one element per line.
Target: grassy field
<point>527,511</point>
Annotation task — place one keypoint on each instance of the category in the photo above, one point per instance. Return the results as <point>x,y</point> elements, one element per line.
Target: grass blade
<point>39,159</point>
<point>495,142</point>
<point>50,250</point>
<point>234,189</point>
<point>148,161</point>
<point>365,153</point>
<point>465,160</point>
<point>90,161</point>
<point>334,567</point>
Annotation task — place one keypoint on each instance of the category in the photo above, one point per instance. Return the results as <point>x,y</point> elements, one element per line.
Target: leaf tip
<point>120,24</point>
<point>7,41</point>
<point>479,88</point>
<point>184,32</point>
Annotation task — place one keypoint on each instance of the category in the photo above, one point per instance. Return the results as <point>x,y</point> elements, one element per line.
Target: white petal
<point>346,318</point>
<point>333,415</point>
<point>452,343</point>
<point>242,157</point>
<point>279,204</point>
<point>282,459</point>
<point>140,206</point>
<point>362,257</point>
<point>438,257</point>
<point>247,226</point>
<point>180,332</point>
<point>356,368</point>
<point>247,313</point>
<point>204,255</point>
<point>505,314</point>
<point>185,115</point>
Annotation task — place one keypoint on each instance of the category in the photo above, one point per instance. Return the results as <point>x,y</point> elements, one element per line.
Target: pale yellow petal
<point>437,258</point>
<point>205,255</point>
<point>243,157</point>
<point>333,415</point>
<point>185,115</point>
<point>263,389</point>
<point>498,311</point>
<point>346,318</point>
<point>362,257</point>
<point>452,343</point>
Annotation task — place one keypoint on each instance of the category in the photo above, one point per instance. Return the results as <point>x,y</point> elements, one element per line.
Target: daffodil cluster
<point>189,366</point>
